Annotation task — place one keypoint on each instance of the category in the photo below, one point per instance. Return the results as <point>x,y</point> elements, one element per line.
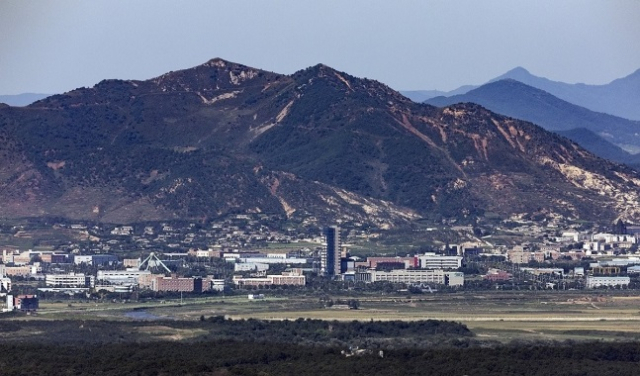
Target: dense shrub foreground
<point>252,358</point>
<point>371,334</point>
<point>302,347</point>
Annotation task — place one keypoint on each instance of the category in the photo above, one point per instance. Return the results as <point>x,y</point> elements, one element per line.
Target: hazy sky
<point>56,46</point>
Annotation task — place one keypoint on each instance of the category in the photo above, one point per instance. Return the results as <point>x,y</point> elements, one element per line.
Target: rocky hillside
<point>224,138</point>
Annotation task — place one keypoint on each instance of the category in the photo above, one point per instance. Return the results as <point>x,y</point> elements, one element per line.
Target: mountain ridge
<point>516,99</point>
<point>620,97</point>
<point>224,138</point>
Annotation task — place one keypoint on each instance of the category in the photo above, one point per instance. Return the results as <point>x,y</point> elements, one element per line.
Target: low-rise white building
<point>121,277</point>
<point>203,253</point>
<point>539,271</point>
<point>114,288</point>
<point>595,246</point>
<point>593,282</point>
<point>83,259</point>
<point>5,284</point>
<point>621,261</point>
<point>433,261</point>
<point>216,284</point>
<point>122,231</point>
<point>250,267</point>
<point>7,256</point>
<point>286,278</point>
<point>569,236</point>
<point>69,280</point>
<point>412,276</point>
<point>271,260</point>
<point>614,238</point>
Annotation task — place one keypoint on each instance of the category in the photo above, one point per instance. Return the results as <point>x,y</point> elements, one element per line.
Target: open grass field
<point>494,315</point>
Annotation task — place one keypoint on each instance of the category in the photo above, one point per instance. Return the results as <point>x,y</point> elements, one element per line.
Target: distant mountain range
<point>21,99</point>
<point>521,101</point>
<point>620,97</point>
<point>318,145</point>
<point>423,95</point>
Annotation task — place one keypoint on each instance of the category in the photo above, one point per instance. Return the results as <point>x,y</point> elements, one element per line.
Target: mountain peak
<point>320,69</point>
<point>219,63</point>
<point>517,73</point>
<point>216,62</point>
<point>522,75</point>
<point>214,74</point>
<point>346,82</point>
<point>517,70</point>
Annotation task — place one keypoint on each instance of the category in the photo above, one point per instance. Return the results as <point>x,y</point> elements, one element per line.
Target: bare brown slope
<point>458,161</point>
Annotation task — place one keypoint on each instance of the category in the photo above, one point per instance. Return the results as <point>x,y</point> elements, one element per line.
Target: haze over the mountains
<point>20,100</point>
<point>53,47</point>
<point>225,138</point>
<point>621,97</point>
<point>516,99</point>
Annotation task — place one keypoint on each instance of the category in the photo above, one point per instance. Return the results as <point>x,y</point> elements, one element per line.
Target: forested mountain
<point>224,138</point>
